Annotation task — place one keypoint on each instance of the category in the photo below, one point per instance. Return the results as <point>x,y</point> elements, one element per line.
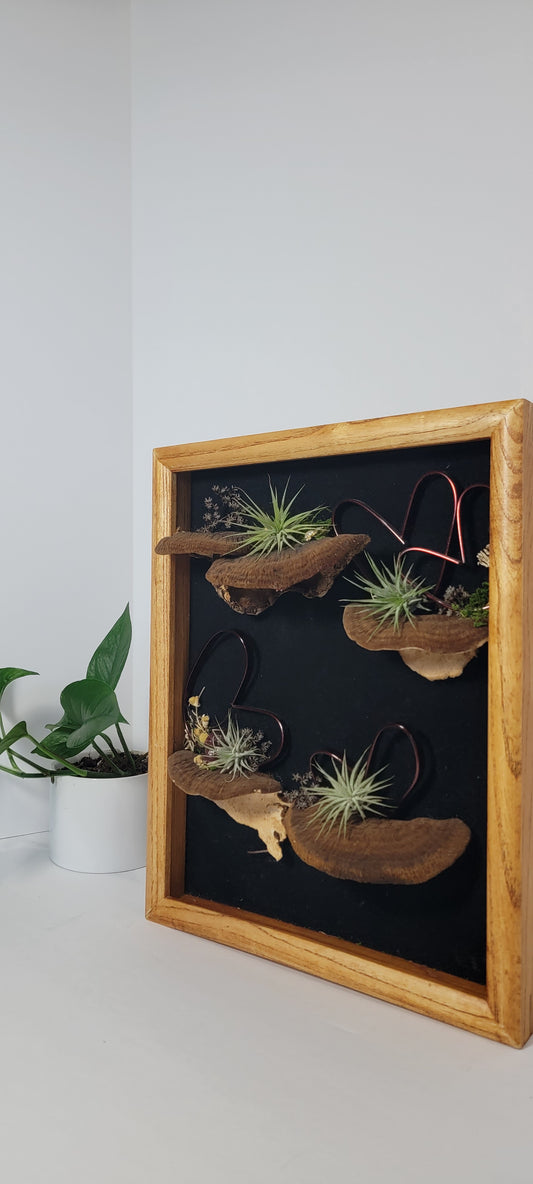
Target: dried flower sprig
<point>196,724</point>
<point>474,605</point>
<point>393,594</point>
<point>231,749</point>
<point>483,556</point>
<point>222,511</point>
<point>300,794</point>
<point>348,793</point>
<point>453,600</point>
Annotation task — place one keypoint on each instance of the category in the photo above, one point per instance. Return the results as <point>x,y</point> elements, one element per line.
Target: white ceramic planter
<point>98,824</point>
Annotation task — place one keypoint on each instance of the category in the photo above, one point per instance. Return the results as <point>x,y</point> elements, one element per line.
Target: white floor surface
<point>133,1053</point>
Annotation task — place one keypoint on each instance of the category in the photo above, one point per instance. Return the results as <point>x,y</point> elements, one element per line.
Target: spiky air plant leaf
<point>348,793</point>
<point>270,530</point>
<point>392,595</point>
<point>231,749</point>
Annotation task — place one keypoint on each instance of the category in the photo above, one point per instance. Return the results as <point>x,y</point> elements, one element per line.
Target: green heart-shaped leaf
<point>54,746</point>
<point>84,735</point>
<point>107,662</point>
<point>16,733</point>
<point>9,674</point>
<point>90,707</point>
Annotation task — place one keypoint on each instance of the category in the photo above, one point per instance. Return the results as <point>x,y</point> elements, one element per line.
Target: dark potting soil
<point>97,767</point>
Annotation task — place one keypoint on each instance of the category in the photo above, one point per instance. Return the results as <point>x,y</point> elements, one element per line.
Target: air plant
<point>392,595</point>
<point>266,531</point>
<point>348,793</point>
<point>231,749</point>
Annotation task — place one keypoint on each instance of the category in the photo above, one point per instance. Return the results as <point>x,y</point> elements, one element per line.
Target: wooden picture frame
<point>501,1008</point>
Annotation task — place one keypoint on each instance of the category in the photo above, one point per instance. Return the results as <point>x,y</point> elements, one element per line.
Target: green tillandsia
<point>279,527</point>
<point>226,749</point>
<point>348,793</point>
<point>392,596</point>
<point>90,708</point>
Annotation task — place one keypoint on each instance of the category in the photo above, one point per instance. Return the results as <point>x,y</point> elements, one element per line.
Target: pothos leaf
<point>9,674</point>
<point>108,660</point>
<point>16,733</point>
<point>90,706</point>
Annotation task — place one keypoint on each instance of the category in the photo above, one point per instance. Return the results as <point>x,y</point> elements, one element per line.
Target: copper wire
<point>209,646</point>
<point>334,756</point>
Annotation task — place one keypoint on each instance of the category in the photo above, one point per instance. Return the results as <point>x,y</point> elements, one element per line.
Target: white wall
<point>331,217</point>
<point>65,361</point>
<point>331,206</point>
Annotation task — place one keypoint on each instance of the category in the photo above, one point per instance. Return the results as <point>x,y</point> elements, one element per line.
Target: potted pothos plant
<point>98,785</point>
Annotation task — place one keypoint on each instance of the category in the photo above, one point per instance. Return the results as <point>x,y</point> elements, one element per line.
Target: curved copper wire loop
<point>334,756</point>
<point>469,488</point>
<point>210,645</point>
<point>401,535</point>
<point>355,501</point>
<point>416,487</point>
<point>401,728</point>
<point>428,551</point>
<point>437,555</point>
<point>444,555</point>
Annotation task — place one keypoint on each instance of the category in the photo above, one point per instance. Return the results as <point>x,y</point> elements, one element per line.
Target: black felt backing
<point>333,695</point>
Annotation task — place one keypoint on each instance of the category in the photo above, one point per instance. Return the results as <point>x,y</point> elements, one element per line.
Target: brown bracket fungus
<point>199,542</point>
<point>434,646</point>
<point>251,583</point>
<point>265,813</point>
<point>378,851</point>
<point>251,801</point>
<point>199,781</point>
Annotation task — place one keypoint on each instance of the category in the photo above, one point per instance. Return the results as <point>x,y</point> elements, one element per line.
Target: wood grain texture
<point>527,726</point>
<point>168,665</point>
<point>162,664</point>
<point>439,996</point>
<point>505,772</point>
<point>337,439</point>
<point>180,642</point>
<point>504,1010</point>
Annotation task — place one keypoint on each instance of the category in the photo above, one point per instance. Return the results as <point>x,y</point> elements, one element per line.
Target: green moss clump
<point>476,607</point>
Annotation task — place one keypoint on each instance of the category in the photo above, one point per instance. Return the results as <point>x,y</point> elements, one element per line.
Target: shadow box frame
<point>501,1008</point>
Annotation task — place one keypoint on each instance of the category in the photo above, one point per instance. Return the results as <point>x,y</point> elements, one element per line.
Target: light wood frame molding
<point>502,1009</point>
